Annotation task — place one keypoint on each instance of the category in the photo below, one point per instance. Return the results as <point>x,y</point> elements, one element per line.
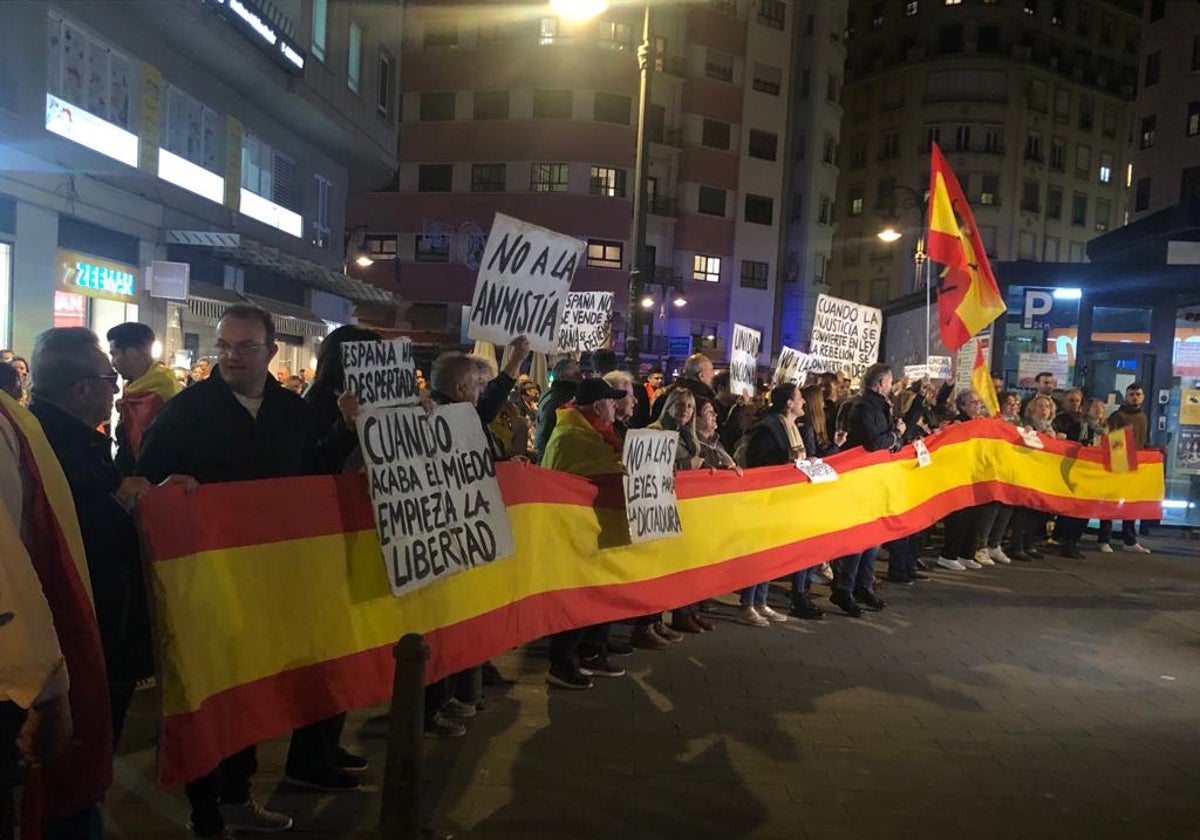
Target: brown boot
<point>704,623</point>
<point>644,637</point>
<point>667,633</point>
<point>685,623</point>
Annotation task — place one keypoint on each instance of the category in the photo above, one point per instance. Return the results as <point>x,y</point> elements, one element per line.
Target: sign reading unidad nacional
<point>650,505</point>
<point>743,360</point>
<point>437,504</point>
<point>380,373</point>
<point>522,285</point>
<point>587,322</point>
<point>845,335</point>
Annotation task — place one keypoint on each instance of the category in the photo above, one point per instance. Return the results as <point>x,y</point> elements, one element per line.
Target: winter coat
<point>870,425</point>
<point>1131,415</point>
<point>767,443</point>
<point>560,393</point>
<point>576,447</point>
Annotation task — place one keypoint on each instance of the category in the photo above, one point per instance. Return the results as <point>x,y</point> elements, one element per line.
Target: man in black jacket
<point>238,424</point>
<point>566,376</point>
<point>870,426</point>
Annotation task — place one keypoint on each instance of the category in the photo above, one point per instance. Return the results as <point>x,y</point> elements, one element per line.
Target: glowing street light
<point>578,11</point>
<point>647,302</point>
<point>679,301</point>
<point>889,235</point>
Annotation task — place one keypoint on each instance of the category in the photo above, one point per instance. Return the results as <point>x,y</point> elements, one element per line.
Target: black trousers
<point>960,533</point>
<point>566,647</point>
<point>229,784</point>
<point>1128,531</point>
<point>315,747</point>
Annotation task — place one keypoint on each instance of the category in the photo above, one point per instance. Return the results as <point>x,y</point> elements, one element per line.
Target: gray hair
<point>874,375</point>
<point>567,370</point>
<point>693,364</point>
<point>963,397</point>
<point>619,379</point>
<point>61,357</point>
<point>449,369</point>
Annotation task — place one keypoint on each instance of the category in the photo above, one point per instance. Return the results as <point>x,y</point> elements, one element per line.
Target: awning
<point>239,250</point>
<point>209,302</point>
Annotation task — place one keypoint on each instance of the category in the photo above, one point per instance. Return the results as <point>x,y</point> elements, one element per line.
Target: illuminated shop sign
<point>86,129</point>
<point>96,277</point>
<point>255,26</point>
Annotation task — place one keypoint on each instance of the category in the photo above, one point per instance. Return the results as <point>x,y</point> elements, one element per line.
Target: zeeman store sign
<point>84,274</point>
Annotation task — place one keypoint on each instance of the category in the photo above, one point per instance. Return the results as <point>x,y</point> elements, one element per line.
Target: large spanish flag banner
<point>968,297</point>
<point>274,611</point>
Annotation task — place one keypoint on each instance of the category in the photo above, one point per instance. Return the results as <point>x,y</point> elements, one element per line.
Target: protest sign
<point>587,322</point>
<point>915,372</point>
<point>437,503</point>
<point>794,366</point>
<point>818,471</point>
<point>650,507</point>
<point>845,335</point>
<point>964,359</point>
<point>380,373</point>
<point>924,459</point>
<point>743,360</point>
<point>939,367</point>
<point>1029,365</point>
<point>522,284</point>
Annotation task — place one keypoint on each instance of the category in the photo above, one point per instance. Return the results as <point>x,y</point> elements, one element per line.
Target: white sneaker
<point>969,563</point>
<point>951,564</point>
<point>998,555</point>
<point>750,616</point>
<point>770,614</point>
<point>1136,548</point>
<point>253,817</point>
<point>983,558</point>
<point>1105,548</point>
<point>826,572</point>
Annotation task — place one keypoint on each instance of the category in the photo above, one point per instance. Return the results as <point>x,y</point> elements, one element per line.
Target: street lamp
<point>913,199</point>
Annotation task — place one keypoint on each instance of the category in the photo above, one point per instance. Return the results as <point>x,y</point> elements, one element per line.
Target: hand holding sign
<point>649,458</point>
<point>380,373</point>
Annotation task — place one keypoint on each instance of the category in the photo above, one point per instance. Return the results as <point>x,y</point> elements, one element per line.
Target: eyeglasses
<point>242,348</point>
<point>110,377</point>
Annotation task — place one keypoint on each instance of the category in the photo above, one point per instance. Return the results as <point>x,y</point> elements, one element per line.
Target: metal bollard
<point>400,813</point>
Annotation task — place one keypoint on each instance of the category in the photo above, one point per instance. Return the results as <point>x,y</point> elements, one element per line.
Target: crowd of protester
<point>238,421</point>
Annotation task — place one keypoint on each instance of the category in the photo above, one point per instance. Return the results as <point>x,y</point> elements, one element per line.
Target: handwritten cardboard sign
<point>587,322</point>
<point>743,359</point>
<point>650,505</point>
<point>380,373</point>
<point>794,366</point>
<point>437,503</point>
<point>845,335</point>
<point>521,288</point>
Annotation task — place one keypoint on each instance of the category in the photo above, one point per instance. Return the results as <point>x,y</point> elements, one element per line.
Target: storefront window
<point>1182,460</point>
<point>5,294</point>
<point>1041,333</point>
<point>1121,324</point>
<point>70,310</point>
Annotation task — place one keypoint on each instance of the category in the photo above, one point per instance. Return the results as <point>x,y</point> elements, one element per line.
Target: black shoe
<point>1070,550</point>
<point>599,666</point>
<point>492,678</point>
<point>351,762</point>
<point>869,599</point>
<point>1018,554</point>
<point>845,600</point>
<point>901,581</point>
<point>804,607</point>
<point>1034,553</point>
<point>616,648</point>
<point>325,780</point>
<point>568,678</point>
<point>913,577</point>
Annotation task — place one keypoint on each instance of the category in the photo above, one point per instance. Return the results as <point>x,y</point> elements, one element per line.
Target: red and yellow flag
<point>981,381</point>
<point>1120,451</point>
<point>968,297</point>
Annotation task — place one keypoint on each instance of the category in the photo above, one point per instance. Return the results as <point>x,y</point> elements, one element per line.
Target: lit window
<point>607,181</point>
<point>602,254</point>
<point>1106,165</point>
<point>320,16</point>
<point>910,8</point>
<point>706,268</point>
<point>548,31</point>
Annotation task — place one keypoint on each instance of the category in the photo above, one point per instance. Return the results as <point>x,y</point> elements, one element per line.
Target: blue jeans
<point>756,595</point>
<point>801,581</point>
<point>902,557</point>
<point>855,571</point>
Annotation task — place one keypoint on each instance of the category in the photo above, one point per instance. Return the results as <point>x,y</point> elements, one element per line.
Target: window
<point>322,233</point>
<point>719,66</point>
<point>493,33</point>
<point>1196,52</point>
<point>759,210</point>
<point>829,150</point>
<point>1033,146</point>
<point>1109,126</point>
<point>1050,249</point>
<point>885,196</point>
<point>763,145</point>
<point>933,134</point>
<point>607,181</point>
<point>988,39</point>
<point>858,156</point>
<point>1083,160</point>
<point>1030,7</point>
<point>1086,108</point>
<point>993,141</point>
<point>1158,8</point>
<point>1083,21</point>
<point>660,53</point>
<point>1062,105</point>
<point>772,13</point>
<point>833,88</point>
<point>320,19</point>
<point>490,104</point>
<point>89,74</point>
<point>387,76</point>
<point>855,195</point>
<point>706,268</point>
<point>910,8</point>
<point>989,189</point>
<point>1141,199</point>
<point>548,31</point>
<point>825,211</point>
<point>1058,154</point>
<point>435,177</point>
<point>1079,209</point>
<point>552,104</point>
<point>893,94</point>
<point>548,177</point>
<point>950,39</point>
<point>1193,119</point>
<point>1056,14</point>
<point>1106,167</point>
<point>488,177</point>
<point>354,57</point>
<point>1103,214</point>
<point>962,138</point>
<point>1030,195</point>
<point>711,201</point>
<point>1054,203</point>
<point>267,173</point>
<point>805,83</point>
<point>1076,252</point>
<point>852,250</point>
<point>431,249</point>
<point>614,35</point>
<point>754,274</point>
<point>889,145</point>
<point>877,15</point>
<point>605,254</point>
<point>381,246</point>
<point>611,108</point>
<point>1153,67</point>
<point>715,134</point>
<point>767,79</point>
<point>190,130</point>
<point>437,106</point>
<point>1147,135</point>
<point>1026,245</point>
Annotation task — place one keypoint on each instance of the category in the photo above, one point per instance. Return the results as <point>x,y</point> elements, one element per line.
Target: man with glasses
<point>240,424</point>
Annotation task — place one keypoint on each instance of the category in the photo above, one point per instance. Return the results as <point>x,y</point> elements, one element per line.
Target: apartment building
<point>509,109</point>
<point>142,142</point>
<point>1166,158</point>
<point>1030,100</point>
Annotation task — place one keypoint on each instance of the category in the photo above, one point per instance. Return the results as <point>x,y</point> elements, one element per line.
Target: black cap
<point>590,390</point>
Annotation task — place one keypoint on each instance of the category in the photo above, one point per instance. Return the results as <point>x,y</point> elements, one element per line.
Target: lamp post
<point>913,199</point>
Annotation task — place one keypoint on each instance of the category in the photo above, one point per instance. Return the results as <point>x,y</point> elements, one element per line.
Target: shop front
<point>94,292</point>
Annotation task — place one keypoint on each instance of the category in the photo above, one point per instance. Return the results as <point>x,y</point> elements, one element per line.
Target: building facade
<point>1032,103</point>
<point>143,140</point>
<point>1166,159</point>
<point>532,116</point>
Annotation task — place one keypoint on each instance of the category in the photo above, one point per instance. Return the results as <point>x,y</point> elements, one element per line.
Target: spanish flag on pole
<point>1120,452</point>
<point>968,298</point>
<point>981,382</point>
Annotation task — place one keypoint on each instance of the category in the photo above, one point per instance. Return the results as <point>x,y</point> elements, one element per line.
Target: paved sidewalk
<point>1057,699</point>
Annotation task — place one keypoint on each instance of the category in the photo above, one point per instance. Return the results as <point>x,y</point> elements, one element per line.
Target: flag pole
<point>922,261</point>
